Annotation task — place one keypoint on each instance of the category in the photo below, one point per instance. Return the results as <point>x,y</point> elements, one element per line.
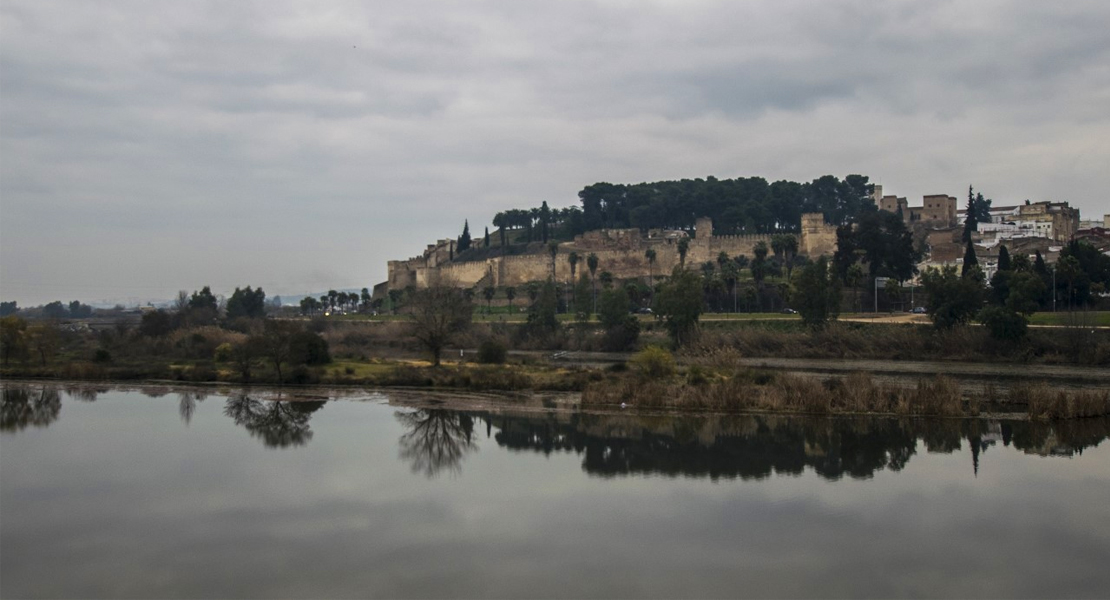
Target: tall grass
<point>856,393</point>
<point>1045,402</point>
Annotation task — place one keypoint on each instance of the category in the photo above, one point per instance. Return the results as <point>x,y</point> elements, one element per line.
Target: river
<point>190,492</point>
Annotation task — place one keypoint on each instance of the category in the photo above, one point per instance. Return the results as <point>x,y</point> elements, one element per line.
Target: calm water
<point>170,493</point>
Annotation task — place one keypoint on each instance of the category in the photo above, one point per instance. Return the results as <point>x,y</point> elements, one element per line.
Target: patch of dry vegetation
<point>715,382</point>
<point>752,390</point>
<point>1045,402</point>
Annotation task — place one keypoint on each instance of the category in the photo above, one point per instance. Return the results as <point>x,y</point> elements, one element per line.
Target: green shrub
<point>303,375</point>
<point>308,348</point>
<point>1003,323</point>
<point>653,362</point>
<point>492,352</point>
<point>223,352</point>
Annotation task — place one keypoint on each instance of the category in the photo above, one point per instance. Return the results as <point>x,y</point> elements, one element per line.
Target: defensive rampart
<point>621,252</point>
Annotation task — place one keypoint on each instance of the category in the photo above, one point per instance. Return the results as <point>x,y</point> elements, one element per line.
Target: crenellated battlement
<point>759,237</point>
<point>525,257</point>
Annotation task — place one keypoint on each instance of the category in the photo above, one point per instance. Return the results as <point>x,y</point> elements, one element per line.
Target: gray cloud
<point>146,148</point>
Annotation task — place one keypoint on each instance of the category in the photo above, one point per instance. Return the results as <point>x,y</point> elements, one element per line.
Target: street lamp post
<point>1053,288</point>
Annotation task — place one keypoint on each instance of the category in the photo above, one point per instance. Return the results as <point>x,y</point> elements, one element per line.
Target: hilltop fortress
<point>619,251</point>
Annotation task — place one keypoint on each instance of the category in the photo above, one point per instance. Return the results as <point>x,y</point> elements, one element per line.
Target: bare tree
<point>182,301</point>
<point>437,314</point>
<point>276,342</point>
<point>436,440</point>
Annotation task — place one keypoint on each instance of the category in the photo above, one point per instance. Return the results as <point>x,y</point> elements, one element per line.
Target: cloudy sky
<point>150,147</point>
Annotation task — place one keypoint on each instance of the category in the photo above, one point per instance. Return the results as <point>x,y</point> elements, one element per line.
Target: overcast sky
<point>149,147</point>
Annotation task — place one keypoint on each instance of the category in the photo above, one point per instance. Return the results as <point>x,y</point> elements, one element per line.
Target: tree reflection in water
<point>277,423</point>
<point>187,403</point>
<point>24,406</point>
<point>436,440</point>
<point>84,392</point>
<point>758,446</point>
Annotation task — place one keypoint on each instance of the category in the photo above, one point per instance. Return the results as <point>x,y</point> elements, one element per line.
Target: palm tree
<point>591,263</point>
<point>759,268</point>
<point>572,258</point>
<point>510,293</point>
<point>487,293</point>
<point>777,244</point>
<point>606,279</point>
<point>683,247</point>
<point>789,251</point>
<point>853,279</point>
<point>730,273</point>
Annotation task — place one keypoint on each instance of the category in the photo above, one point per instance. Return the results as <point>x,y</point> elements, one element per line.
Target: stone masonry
<point>619,251</point>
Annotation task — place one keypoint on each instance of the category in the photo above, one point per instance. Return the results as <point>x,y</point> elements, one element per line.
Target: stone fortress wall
<point>936,210</point>
<point>619,251</point>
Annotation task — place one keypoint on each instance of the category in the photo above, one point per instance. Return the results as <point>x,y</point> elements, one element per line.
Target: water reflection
<point>187,404</point>
<point>84,392</point>
<point>757,446</point>
<point>436,440</point>
<point>278,424</point>
<point>26,406</point>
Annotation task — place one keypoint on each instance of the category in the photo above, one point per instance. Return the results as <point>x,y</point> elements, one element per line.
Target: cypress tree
<point>1004,259</point>
<point>487,237</point>
<point>1038,264</point>
<point>464,239</point>
<point>971,221</point>
<point>545,218</point>
<point>969,259</point>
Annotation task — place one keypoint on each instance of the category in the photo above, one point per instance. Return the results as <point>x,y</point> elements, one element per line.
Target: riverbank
<point>717,383</point>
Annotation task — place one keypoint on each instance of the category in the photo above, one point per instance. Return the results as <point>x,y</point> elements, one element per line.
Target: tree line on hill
<point>744,205</point>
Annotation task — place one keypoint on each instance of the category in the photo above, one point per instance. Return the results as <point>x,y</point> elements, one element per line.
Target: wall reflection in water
<point>757,446</point>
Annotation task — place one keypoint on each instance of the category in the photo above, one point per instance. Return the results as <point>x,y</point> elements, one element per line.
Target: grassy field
<point>519,316</point>
<point>1090,318</point>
